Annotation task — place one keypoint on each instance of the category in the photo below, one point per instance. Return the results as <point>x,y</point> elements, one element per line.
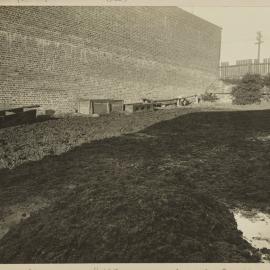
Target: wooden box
<point>138,107</point>
<point>100,106</point>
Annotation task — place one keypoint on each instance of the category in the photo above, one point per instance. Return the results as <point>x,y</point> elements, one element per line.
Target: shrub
<point>211,97</point>
<point>266,80</point>
<point>248,90</point>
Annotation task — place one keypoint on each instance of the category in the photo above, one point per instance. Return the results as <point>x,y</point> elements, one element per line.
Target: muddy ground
<point>161,194</point>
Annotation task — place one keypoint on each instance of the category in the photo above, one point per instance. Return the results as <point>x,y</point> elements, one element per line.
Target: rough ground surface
<point>20,144</point>
<point>153,196</point>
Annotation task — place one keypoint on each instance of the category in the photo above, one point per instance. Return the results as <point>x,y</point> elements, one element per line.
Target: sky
<point>239,30</point>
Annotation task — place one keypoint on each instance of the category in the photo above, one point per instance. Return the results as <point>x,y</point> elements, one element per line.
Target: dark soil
<point>157,195</point>
<point>23,143</point>
<point>128,222</point>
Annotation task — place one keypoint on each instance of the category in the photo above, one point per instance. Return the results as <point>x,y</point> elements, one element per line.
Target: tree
<point>248,90</point>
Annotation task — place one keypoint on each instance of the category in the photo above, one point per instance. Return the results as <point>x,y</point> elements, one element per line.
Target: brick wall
<point>54,55</point>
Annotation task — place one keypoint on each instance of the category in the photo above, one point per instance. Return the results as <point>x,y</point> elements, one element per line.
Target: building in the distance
<point>53,56</point>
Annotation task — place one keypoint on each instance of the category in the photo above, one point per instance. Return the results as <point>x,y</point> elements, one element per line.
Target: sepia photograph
<point>134,133</point>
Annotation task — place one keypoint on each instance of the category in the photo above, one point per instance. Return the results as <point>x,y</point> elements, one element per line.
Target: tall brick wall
<point>54,55</point>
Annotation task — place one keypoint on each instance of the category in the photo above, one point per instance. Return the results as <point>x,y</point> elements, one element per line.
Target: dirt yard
<point>156,191</point>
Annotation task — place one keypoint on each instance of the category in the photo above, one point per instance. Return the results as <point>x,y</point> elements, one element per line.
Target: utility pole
<point>259,42</point>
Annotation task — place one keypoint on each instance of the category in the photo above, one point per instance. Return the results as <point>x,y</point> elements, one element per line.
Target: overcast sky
<point>239,27</point>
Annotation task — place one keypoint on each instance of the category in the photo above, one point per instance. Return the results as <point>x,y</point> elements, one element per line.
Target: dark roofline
<point>200,18</point>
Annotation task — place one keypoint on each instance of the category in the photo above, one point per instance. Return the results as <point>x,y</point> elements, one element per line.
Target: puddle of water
<point>255,226</point>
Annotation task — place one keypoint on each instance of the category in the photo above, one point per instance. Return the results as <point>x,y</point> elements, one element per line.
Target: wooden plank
<point>15,108</point>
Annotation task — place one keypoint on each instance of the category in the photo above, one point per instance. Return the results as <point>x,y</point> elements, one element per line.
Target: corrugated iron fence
<point>227,71</point>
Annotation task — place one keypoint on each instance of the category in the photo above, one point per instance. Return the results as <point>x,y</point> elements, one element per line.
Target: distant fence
<point>227,71</point>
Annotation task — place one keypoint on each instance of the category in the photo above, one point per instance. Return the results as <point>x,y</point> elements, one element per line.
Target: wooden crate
<point>139,107</point>
<point>14,114</point>
<point>84,106</point>
<point>117,105</point>
<point>12,118</point>
<point>100,106</point>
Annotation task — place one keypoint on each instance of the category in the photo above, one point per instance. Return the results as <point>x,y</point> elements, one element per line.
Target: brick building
<point>53,56</point>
